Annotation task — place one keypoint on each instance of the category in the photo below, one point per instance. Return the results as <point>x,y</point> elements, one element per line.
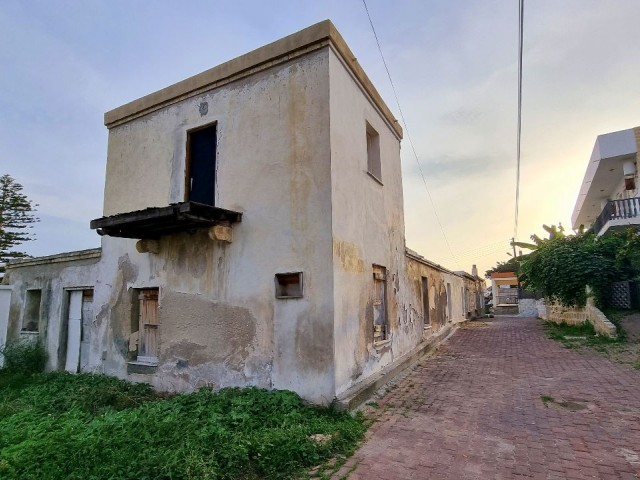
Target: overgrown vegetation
<point>562,266</point>
<point>574,336</point>
<point>61,426</point>
<point>22,356</point>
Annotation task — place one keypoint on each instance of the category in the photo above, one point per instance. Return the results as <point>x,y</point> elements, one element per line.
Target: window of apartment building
<point>425,300</point>
<point>201,165</point>
<point>289,285</point>
<point>374,166</point>
<point>32,307</point>
<point>148,326</point>
<point>379,304</point>
<point>449,300</point>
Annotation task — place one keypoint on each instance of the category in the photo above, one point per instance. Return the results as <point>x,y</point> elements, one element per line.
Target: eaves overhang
<point>604,173</point>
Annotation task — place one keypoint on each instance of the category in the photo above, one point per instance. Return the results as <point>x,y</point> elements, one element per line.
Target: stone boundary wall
<point>557,313</point>
<point>527,307</point>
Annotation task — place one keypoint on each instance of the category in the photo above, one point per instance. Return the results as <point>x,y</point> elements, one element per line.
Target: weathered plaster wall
<point>368,229</point>
<point>443,308</point>
<point>221,323</point>
<point>53,279</point>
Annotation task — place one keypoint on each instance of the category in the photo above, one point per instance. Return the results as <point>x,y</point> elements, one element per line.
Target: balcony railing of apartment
<point>510,298</point>
<point>617,210</point>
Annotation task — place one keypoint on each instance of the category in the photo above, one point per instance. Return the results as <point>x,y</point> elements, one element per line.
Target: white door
<point>5,300</point>
<point>74,331</point>
<point>87,318</point>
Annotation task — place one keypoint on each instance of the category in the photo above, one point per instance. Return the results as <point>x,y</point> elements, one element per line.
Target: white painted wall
<point>5,302</point>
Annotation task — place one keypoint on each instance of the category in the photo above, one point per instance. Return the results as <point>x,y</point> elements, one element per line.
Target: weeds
<point>23,356</point>
<point>573,336</point>
<point>61,426</point>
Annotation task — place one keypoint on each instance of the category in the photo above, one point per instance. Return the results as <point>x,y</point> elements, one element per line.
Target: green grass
<point>61,426</point>
<point>573,336</point>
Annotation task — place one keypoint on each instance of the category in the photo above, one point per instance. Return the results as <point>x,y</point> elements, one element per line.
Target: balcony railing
<point>617,210</point>
<point>510,298</point>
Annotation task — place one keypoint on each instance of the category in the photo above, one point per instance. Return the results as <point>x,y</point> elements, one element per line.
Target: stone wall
<point>527,307</point>
<point>577,316</point>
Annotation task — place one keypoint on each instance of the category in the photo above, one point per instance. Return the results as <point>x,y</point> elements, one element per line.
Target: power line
<point>406,129</point>
<point>519,132</point>
<point>484,247</point>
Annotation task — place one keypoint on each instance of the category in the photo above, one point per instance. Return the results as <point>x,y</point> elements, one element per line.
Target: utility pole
<point>513,244</point>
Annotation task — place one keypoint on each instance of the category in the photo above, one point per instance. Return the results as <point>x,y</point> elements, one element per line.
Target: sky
<point>454,65</point>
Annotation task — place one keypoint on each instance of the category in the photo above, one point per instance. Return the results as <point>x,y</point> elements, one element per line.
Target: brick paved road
<point>475,410</point>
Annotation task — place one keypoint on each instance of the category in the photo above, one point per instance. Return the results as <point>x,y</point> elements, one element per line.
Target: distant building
<point>253,234</point>
<point>608,197</point>
<point>504,287</point>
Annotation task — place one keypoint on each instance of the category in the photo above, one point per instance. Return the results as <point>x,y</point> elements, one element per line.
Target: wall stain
<point>349,255</point>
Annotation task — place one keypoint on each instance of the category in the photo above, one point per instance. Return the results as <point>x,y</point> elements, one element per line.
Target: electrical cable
<point>406,129</point>
<point>519,131</point>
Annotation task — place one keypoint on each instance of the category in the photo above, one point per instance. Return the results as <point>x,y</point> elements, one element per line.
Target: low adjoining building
<point>504,287</point>
<point>253,234</point>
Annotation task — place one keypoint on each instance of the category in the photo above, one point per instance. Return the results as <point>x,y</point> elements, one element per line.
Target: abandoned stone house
<point>253,234</point>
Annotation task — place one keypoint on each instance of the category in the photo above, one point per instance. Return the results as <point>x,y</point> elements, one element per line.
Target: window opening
<point>380,324</point>
<point>425,300</point>
<point>31,317</point>
<point>289,285</point>
<point>201,165</point>
<point>374,166</point>
<point>148,339</point>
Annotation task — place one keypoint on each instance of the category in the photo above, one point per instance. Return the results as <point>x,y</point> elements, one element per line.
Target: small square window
<point>289,285</point>
<point>374,166</point>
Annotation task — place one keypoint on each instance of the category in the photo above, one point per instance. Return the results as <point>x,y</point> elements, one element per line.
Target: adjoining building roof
<point>503,274</point>
<point>89,254</point>
<point>311,38</point>
<point>604,173</point>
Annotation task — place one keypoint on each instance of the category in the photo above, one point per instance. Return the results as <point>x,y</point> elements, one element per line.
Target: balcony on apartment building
<point>609,195</point>
<point>618,214</point>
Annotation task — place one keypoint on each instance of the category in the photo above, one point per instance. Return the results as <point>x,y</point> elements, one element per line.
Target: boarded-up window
<point>31,316</point>
<point>425,300</point>
<point>379,304</point>
<point>148,334</point>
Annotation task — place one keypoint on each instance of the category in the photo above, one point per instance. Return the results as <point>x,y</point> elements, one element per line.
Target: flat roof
<point>307,40</point>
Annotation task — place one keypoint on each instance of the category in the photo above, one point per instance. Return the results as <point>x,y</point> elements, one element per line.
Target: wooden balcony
<point>618,213</point>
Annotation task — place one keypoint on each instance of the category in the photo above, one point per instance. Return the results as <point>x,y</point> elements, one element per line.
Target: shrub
<point>22,356</point>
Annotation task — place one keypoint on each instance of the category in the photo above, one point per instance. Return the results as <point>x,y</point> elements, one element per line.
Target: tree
<point>511,265</point>
<point>564,265</point>
<point>16,218</point>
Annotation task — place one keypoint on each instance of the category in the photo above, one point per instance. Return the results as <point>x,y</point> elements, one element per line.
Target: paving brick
<point>475,410</point>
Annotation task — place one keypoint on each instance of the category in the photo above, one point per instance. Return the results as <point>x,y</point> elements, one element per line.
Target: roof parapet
<point>307,40</point>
